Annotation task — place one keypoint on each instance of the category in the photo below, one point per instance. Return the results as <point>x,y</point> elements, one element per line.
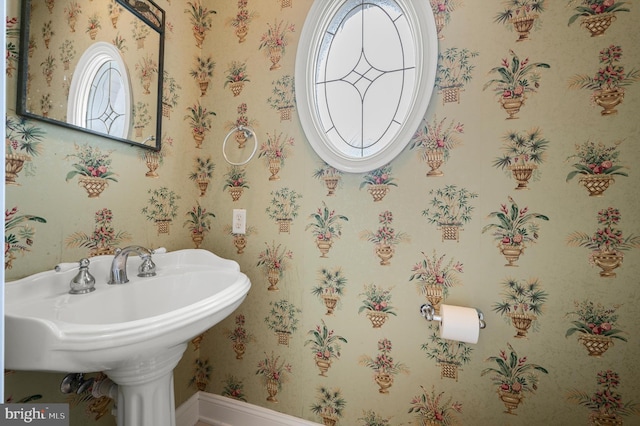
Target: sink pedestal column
<point>145,389</point>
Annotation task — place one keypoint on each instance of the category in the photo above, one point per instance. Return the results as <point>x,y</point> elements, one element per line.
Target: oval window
<point>100,93</point>
<point>365,71</point>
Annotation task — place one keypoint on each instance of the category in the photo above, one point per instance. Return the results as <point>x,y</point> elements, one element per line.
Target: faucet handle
<point>83,282</point>
<point>147,268</point>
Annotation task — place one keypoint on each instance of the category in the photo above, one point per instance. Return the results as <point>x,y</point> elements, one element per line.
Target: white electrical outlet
<point>239,221</point>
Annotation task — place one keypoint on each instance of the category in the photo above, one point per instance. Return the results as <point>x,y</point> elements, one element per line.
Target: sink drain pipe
<point>105,387</point>
<point>98,387</point>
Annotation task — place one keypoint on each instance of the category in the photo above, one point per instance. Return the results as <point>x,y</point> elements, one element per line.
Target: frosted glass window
<point>100,92</point>
<point>364,75</point>
<point>107,107</point>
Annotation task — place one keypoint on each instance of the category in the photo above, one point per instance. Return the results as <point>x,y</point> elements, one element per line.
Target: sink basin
<point>135,332</point>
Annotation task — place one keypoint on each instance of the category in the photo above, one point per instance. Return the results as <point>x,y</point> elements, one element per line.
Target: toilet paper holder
<point>429,313</point>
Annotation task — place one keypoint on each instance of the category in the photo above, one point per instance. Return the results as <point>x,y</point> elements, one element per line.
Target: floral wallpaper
<point>516,195</point>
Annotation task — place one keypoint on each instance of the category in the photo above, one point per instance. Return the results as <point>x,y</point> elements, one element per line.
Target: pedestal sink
<point>135,332</point>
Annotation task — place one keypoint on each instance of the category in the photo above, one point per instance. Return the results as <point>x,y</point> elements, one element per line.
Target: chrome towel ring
<point>249,132</point>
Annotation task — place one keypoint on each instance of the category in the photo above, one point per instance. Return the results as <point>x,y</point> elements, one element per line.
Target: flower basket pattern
<point>384,367</point>
<point>201,20</point>
<point>442,10</point>
<point>13,165</point>
<point>236,182</point>
<point>199,119</point>
<point>274,260</point>
<point>515,227</point>
<point>241,21</point>
<point>522,304</point>
<point>597,164</point>
<point>202,374</point>
<point>434,142</point>
<point>153,159</point>
<point>198,223</point>
<point>376,304</point>
<point>434,277</point>
<point>598,24</point>
<point>275,151</point>
<point>326,227</point>
<point>240,242</point>
<point>605,404</point>
<point>241,122</point>
<point>141,117</point>
<point>448,370</point>
<point>596,15</point>
<point>331,284</point>
<point>93,185</point>
<point>454,71</point>
<point>514,377</point>
<point>329,405</point>
<point>385,238</point>
<point>203,72</point>
<point>325,346</point>
<point>239,336</point>
<point>103,240</point>
<point>283,97</point>
<point>449,355</point>
<point>516,79</point>
<point>284,208</point>
<point>234,388</point>
<point>202,174</point>
<point>273,372</point>
<point>283,320</point>
<point>522,153</point>
<point>450,208</point>
<point>607,244</point>
<point>378,182</point>
<point>596,326</point>
<point>331,177</point>
<point>18,234</point>
<point>275,40</point>
<point>433,408</point>
<point>93,168</point>
<point>161,208</point>
<point>146,69</point>
<point>236,77</point>
<point>608,84</point>
<point>170,94</point>
<point>521,14</point>
<point>163,226</point>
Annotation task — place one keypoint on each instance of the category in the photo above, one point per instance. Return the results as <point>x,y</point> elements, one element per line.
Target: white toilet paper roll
<point>459,323</point>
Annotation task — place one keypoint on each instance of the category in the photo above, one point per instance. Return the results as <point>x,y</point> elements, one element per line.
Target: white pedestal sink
<point>135,332</point>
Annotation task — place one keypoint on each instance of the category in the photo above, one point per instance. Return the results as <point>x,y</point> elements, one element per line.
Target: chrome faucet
<point>119,265</point>
<point>83,282</point>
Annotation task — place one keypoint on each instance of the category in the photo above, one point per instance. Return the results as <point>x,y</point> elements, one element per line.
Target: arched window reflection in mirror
<point>365,71</point>
<point>100,92</point>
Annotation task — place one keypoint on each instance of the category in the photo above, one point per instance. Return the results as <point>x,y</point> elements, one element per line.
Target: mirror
<point>94,66</point>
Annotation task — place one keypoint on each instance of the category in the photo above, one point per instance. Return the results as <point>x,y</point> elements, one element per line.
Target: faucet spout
<point>118,273</point>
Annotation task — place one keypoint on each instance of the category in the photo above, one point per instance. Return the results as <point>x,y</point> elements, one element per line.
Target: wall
<point>563,273</point>
<point>78,226</point>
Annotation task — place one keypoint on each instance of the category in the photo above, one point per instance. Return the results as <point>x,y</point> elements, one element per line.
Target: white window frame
<point>88,66</point>
<point>422,24</point>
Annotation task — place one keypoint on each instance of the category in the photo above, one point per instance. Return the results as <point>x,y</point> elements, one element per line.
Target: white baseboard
<point>217,410</point>
<point>187,414</point>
